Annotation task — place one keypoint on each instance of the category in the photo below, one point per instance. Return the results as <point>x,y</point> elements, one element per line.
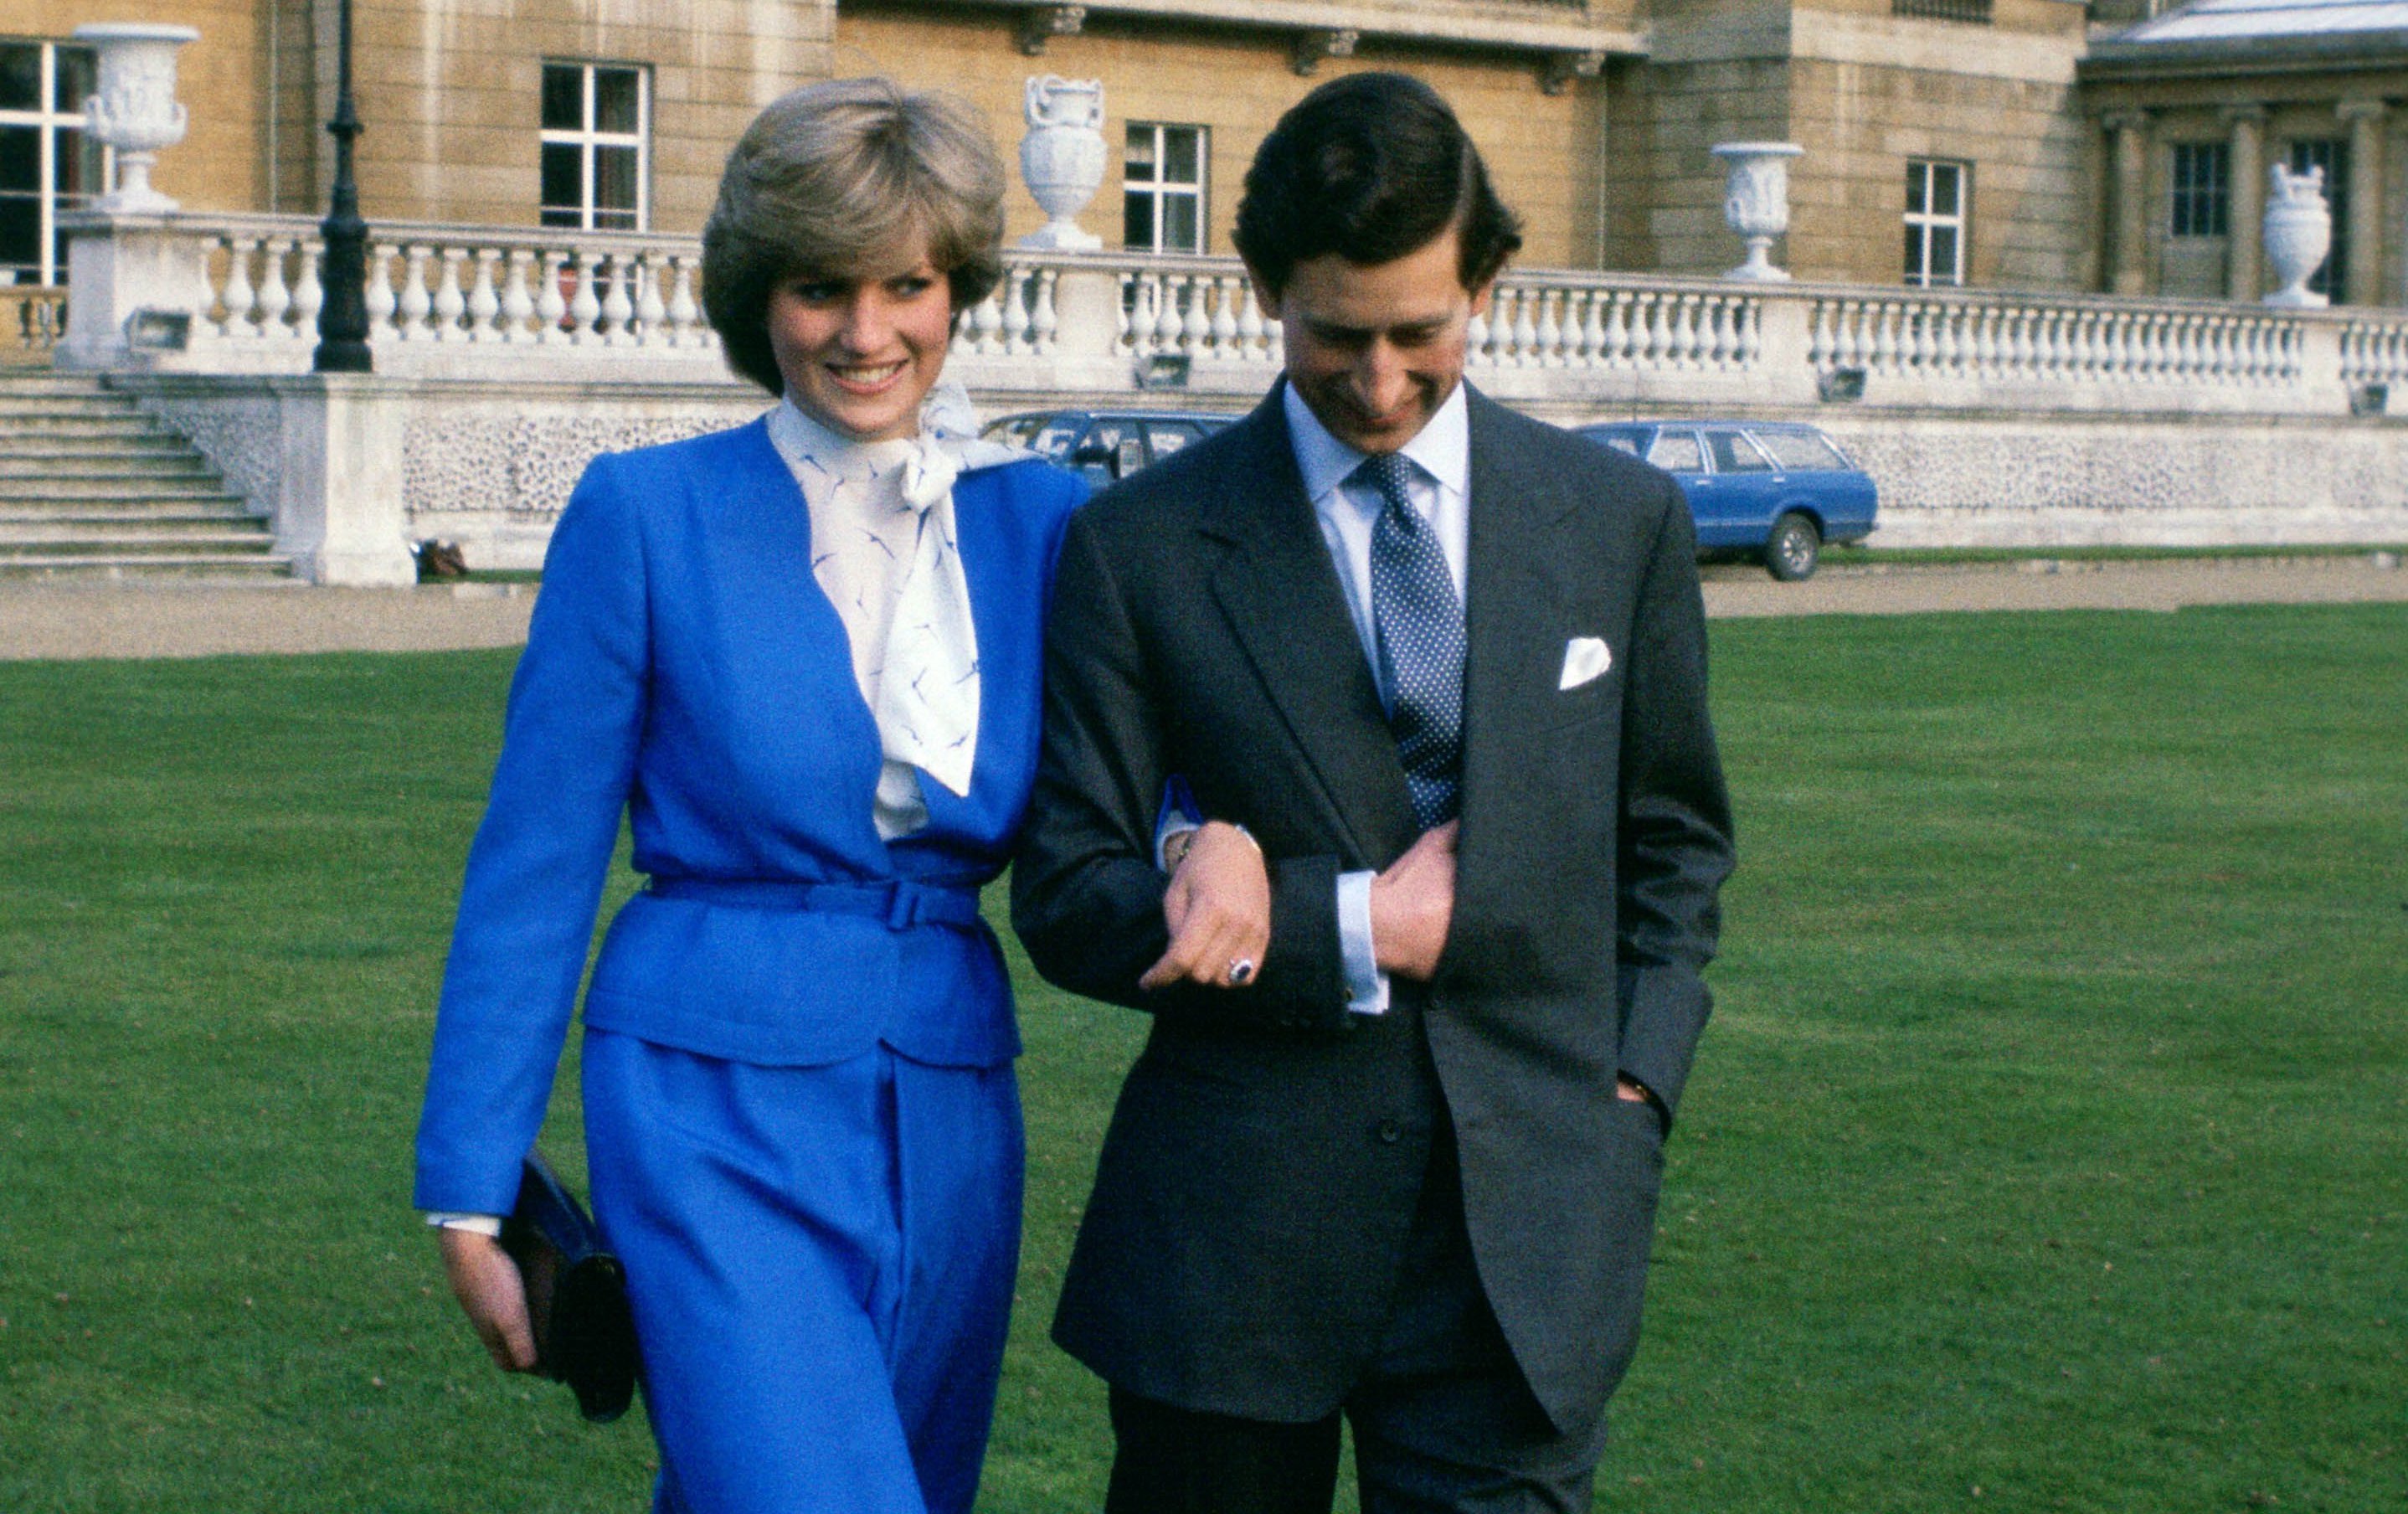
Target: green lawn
<point>2049,1149</point>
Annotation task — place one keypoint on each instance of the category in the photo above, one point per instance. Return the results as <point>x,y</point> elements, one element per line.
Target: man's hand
<point>1219,911</point>
<point>486,1282</point>
<point>1411,905</point>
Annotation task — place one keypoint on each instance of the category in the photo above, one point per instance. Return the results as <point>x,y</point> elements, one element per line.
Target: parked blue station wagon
<point>1775,490</point>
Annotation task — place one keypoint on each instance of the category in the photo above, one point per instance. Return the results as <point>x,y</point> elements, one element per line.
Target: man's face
<point>1374,350</point>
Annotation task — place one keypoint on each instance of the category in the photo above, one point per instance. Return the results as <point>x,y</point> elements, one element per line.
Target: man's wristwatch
<point>1175,848</point>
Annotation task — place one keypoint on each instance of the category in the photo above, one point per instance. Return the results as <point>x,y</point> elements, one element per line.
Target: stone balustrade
<point>507,358</point>
<point>2374,352</point>
<point>240,294</point>
<point>2009,339</point>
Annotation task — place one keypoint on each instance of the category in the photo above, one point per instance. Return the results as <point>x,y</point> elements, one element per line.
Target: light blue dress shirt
<point>1440,490</point>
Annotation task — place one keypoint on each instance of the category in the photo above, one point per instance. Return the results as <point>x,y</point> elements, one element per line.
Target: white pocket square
<point>1586,657</point>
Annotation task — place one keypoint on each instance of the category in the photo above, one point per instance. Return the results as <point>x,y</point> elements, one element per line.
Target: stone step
<point>52,382</point>
<point>138,511</point>
<point>66,427</point>
<point>24,491</point>
<point>94,487</point>
<point>13,405</point>
<point>198,566</point>
<point>66,446</point>
<point>180,465</point>
<point>18,530</point>
<point>134,544</point>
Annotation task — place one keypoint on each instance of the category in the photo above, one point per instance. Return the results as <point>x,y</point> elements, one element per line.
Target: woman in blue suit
<point>802,656</point>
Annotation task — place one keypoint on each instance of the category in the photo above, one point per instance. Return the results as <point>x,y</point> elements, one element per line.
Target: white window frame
<point>49,268</point>
<point>1161,191</point>
<point>1928,219</point>
<point>586,137</point>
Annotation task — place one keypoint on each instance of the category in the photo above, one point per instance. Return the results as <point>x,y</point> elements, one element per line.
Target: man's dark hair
<point>1370,166</point>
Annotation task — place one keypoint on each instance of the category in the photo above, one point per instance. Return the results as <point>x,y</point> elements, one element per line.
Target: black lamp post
<point>343,319</point>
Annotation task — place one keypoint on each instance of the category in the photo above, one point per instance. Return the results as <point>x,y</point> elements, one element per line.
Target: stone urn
<point>135,111</point>
<point>2297,234</point>
<point>1062,158</point>
<point>1756,202</point>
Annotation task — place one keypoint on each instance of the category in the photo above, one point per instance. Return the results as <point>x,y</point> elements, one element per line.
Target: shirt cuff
<point>1367,987</point>
<point>1179,813</point>
<point>488,1225</point>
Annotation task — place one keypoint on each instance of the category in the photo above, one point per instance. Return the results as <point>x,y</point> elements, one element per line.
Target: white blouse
<point>884,552</point>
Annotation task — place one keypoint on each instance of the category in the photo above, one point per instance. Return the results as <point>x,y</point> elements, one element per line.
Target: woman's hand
<point>487,1284</point>
<point>1219,911</point>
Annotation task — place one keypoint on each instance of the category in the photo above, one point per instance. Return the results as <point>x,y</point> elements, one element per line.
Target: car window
<point>1168,436</point>
<point>1106,435</point>
<point>1622,441</point>
<point>1013,429</point>
<point>1800,450</point>
<point>1054,441</point>
<point>1677,451</point>
<point>1734,454</point>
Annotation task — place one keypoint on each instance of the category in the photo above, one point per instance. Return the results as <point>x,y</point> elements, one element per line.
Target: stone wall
<point>224,76</point>
<point>1664,197</point>
<point>489,465</point>
<point>2190,481</point>
<point>452,90</point>
<point>1859,122</point>
<point>493,468</point>
<point>2296,102</point>
<point>1543,150</point>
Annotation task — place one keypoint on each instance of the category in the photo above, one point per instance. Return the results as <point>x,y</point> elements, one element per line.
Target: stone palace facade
<point>2024,144</point>
<point>2053,275</point>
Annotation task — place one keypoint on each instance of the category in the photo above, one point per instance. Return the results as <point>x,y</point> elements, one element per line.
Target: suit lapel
<point>1280,594</point>
<point>1514,593</point>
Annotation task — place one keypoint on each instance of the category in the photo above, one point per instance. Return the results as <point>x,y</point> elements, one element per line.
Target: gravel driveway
<point>195,620</point>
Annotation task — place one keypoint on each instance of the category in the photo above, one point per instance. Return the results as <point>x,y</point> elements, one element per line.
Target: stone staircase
<point>92,488</point>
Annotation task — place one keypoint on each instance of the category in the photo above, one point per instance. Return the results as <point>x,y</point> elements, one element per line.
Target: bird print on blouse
<point>886,552</point>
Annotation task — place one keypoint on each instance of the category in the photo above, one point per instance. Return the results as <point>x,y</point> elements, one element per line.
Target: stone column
<point>2130,235</point>
<point>2365,251</point>
<point>119,264</point>
<point>2244,269</point>
<point>338,507</point>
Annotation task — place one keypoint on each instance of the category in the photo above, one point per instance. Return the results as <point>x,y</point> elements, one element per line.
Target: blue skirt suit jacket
<point>684,668</point>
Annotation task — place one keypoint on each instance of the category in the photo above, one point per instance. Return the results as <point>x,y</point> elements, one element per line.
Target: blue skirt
<point>820,1262</point>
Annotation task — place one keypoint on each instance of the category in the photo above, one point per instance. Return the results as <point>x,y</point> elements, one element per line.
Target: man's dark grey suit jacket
<point>1242,1246</point>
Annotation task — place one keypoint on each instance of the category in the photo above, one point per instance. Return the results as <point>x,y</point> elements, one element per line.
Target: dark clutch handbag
<point>576,1294</point>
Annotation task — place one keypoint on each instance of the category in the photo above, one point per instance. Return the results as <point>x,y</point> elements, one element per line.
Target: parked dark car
<point>1104,444</point>
<point>1773,490</point>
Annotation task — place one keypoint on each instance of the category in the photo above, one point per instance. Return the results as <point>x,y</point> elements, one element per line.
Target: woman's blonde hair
<point>832,176</point>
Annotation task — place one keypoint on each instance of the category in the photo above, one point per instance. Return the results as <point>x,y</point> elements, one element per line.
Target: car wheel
<point>1790,553</point>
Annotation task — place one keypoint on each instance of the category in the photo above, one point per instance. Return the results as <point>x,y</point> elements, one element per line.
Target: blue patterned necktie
<point>1420,627</point>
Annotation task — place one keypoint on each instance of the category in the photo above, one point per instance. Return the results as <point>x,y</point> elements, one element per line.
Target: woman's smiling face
<point>859,353</point>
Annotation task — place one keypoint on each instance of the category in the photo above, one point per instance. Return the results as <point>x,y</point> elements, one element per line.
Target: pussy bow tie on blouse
<point>929,686</point>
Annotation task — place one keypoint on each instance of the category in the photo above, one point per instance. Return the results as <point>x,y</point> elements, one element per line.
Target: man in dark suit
<point>1425,983</point>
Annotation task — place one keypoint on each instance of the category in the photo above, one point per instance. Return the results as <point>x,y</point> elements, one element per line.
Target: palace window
<point>1937,192</point>
<point>597,130</point>
<point>48,164</point>
<point>2203,188</point>
<point>1162,188</point>
<point>2332,154</point>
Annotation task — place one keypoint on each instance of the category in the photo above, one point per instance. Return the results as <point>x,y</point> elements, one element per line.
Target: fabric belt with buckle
<point>901,902</point>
